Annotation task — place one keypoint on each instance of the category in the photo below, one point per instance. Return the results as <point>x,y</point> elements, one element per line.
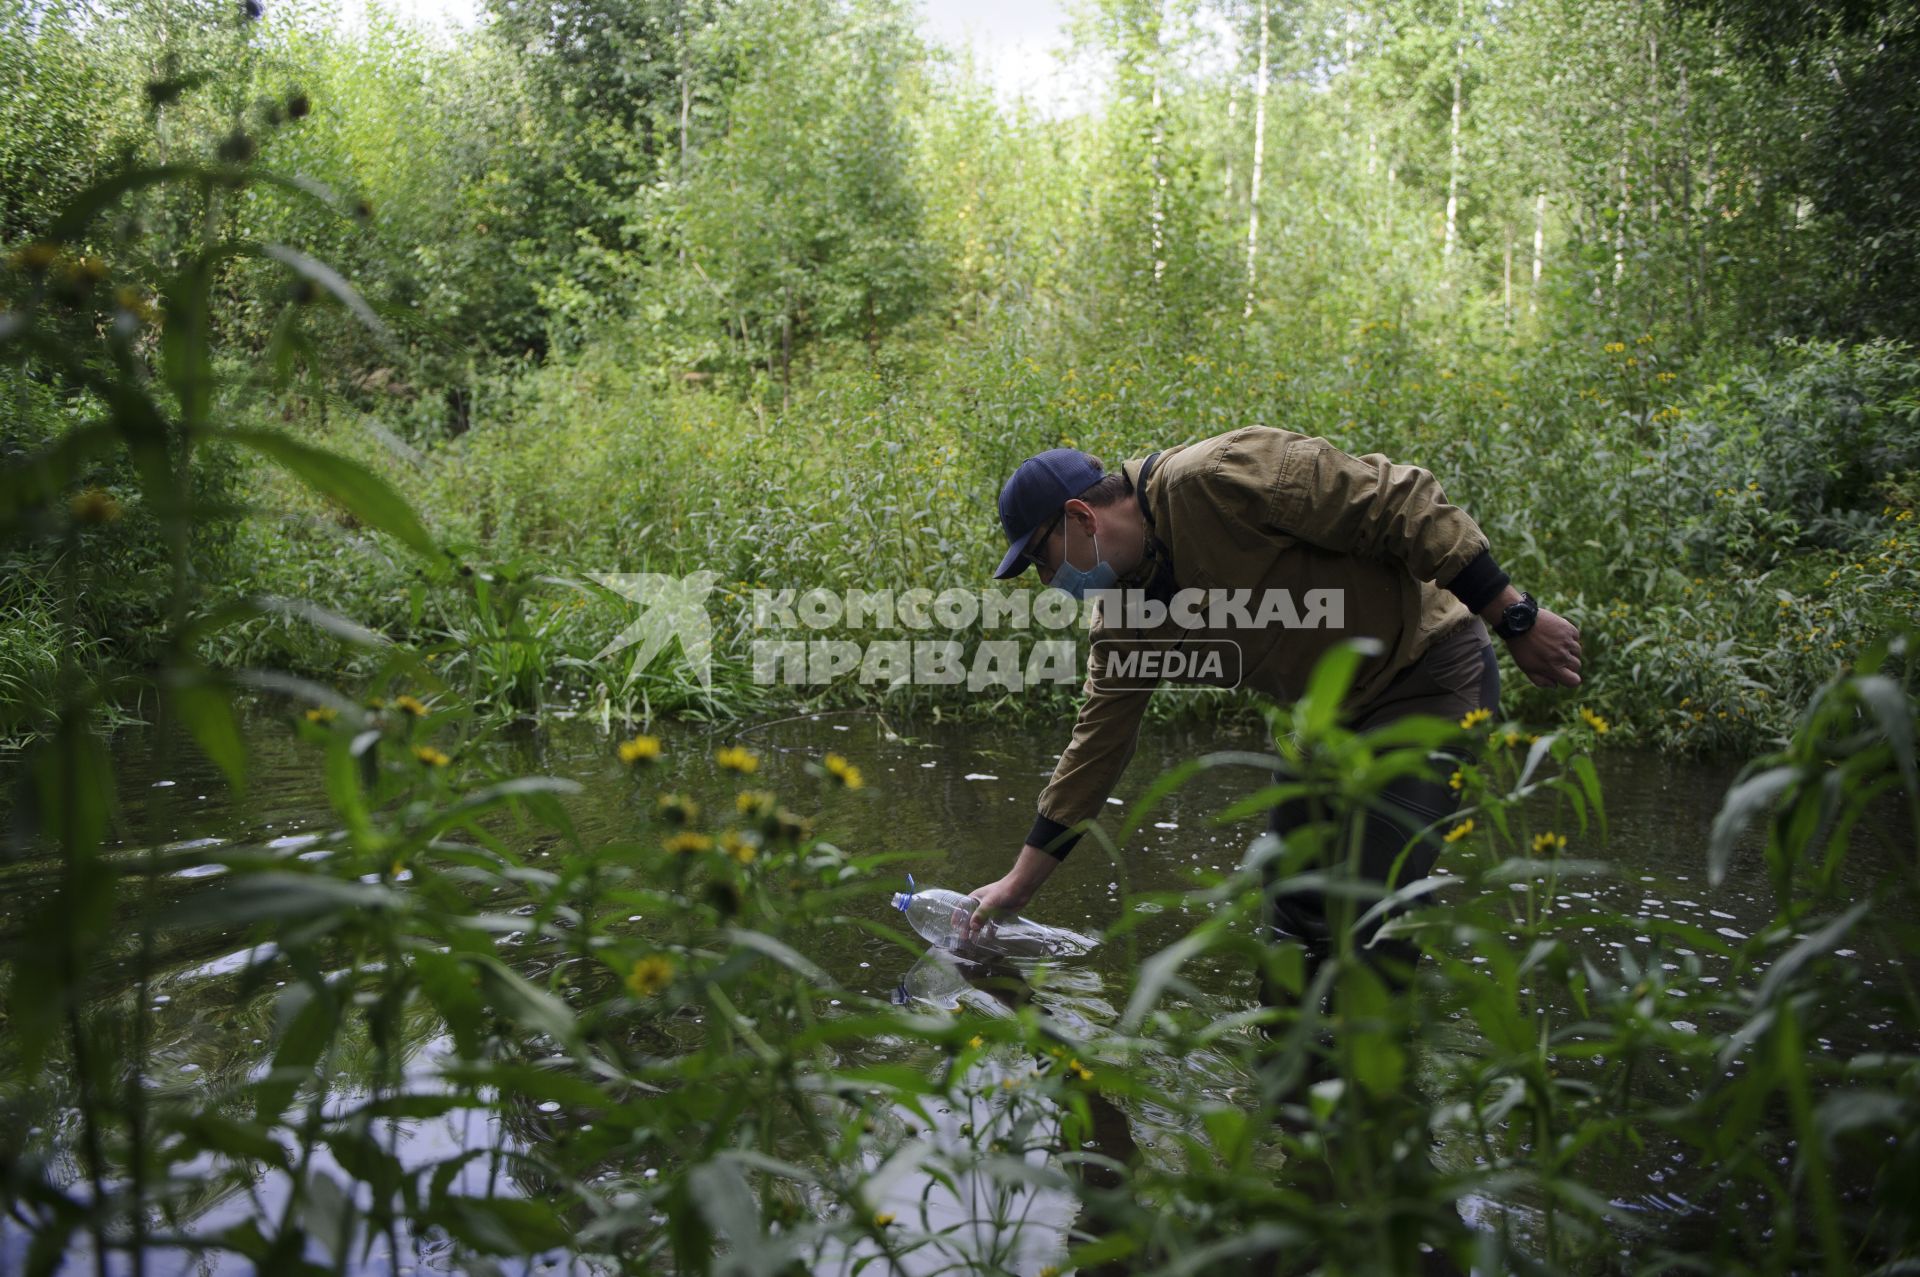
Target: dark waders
<point>1458,674</point>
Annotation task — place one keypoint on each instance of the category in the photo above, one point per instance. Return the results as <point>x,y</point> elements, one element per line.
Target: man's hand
<point>1010,894</point>
<point>1549,653</point>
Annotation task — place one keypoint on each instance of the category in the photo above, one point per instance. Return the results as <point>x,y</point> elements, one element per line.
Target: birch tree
<point>1259,155</point>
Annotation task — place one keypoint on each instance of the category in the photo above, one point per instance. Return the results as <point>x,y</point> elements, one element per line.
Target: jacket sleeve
<point>1104,737</point>
<point>1370,507</point>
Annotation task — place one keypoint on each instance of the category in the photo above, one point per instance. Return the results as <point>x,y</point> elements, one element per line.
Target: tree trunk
<point>1506,276</point>
<point>1453,147</point>
<point>1233,116</point>
<point>1157,197</point>
<point>1539,249</point>
<point>686,106</point>
<point>1621,210</point>
<point>1259,149</point>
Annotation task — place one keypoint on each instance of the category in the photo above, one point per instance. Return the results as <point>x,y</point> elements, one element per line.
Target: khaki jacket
<point>1261,509</point>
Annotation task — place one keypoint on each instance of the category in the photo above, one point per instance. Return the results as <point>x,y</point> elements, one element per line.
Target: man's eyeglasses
<point>1033,547</point>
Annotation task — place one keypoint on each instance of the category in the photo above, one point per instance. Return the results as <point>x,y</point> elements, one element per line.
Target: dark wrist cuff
<point>1479,583</point>
<point>1051,837</point>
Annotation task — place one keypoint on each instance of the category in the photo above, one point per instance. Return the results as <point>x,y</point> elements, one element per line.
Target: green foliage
<point>236,286</point>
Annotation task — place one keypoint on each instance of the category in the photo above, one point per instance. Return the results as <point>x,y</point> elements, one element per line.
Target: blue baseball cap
<point>1035,494</point>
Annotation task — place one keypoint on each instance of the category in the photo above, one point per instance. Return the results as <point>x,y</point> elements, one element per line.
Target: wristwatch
<point>1517,619</point>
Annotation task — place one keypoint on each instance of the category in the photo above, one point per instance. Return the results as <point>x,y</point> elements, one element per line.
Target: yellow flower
<point>130,300</point>
<point>1460,830</point>
<point>1512,738</point>
<point>1549,842</point>
<point>976,1042</point>
<point>688,841</point>
<point>1476,718</point>
<point>753,802</point>
<point>739,848</point>
<point>1593,720</point>
<point>649,976</point>
<point>1458,780</point>
<point>430,756</point>
<point>678,808</point>
<point>735,758</point>
<point>322,714</point>
<point>1080,1070</point>
<point>641,749</point>
<point>410,705</point>
<point>884,1218</point>
<point>34,257</point>
<point>843,771</point>
<point>94,505</point>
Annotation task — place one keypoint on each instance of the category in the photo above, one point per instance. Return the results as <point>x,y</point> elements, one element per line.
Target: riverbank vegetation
<point>781,292</point>
<point>336,367</point>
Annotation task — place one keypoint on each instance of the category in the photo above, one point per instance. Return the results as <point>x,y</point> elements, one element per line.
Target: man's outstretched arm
<point>1104,736</point>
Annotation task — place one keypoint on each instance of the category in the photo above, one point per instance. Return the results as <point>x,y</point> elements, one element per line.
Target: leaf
<point>1819,942</point>
<point>1742,804</point>
<point>209,1129</point>
<point>1845,1111</point>
<point>500,1225</point>
<point>1365,1015</point>
<point>308,1030</point>
<point>1270,796</point>
<point>318,272</point>
<point>355,487</point>
<point>71,225</point>
<point>278,896</point>
<point>1535,754</point>
<point>1590,783</point>
<point>522,1003</point>
<point>453,989</point>
<point>40,477</point>
<point>782,953</point>
<point>1328,682</point>
<point>1893,709</point>
<point>206,712</point>
<point>347,631</point>
<point>1158,971</point>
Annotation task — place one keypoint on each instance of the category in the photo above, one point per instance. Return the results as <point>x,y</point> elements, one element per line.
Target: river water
<point>960,798</point>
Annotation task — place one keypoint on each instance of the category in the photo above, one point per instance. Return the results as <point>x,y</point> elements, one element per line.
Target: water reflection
<point>960,1187</point>
<point>961,799</point>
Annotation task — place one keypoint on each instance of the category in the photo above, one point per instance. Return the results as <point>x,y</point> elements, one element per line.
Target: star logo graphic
<point>671,607</point>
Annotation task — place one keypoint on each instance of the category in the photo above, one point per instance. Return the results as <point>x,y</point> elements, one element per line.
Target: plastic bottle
<point>942,916</point>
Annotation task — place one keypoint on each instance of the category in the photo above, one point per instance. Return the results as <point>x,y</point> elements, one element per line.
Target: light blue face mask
<point>1078,581</point>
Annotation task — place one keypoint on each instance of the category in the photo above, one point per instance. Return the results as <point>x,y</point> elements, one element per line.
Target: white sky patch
<point>1015,45</point>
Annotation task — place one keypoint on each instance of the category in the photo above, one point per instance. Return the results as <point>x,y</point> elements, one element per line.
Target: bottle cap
<point>901,899</point>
